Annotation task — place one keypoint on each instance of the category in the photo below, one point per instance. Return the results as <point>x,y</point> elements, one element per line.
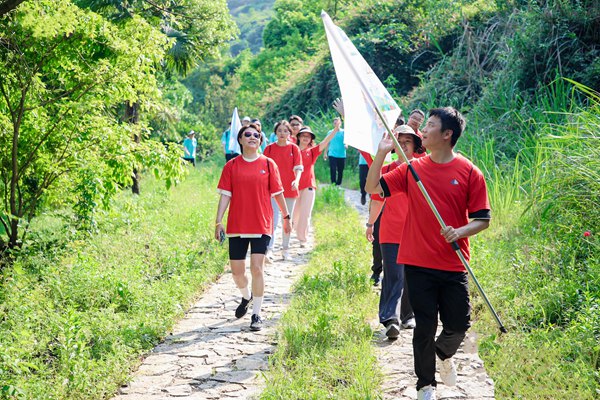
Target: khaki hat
<point>306,129</point>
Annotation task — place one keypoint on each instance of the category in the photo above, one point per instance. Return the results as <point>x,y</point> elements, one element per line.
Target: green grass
<point>324,342</point>
<point>540,270</point>
<point>77,311</point>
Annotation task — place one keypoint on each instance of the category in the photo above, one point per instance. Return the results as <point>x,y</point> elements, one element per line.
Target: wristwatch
<point>368,225</point>
<point>287,217</point>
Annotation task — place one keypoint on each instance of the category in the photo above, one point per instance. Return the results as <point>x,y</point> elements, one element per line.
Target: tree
<point>196,28</point>
<point>65,71</point>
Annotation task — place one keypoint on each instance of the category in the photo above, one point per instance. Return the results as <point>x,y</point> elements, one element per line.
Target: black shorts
<point>238,246</point>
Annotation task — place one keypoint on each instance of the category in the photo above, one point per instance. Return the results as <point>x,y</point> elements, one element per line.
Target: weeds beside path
<point>212,355</point>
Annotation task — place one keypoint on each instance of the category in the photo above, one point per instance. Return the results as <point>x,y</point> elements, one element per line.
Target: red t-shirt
<point>251,184</point>
<point>309,158</point>
<point>459,192</point>
<point>394,212</point>
<point>288,159</point>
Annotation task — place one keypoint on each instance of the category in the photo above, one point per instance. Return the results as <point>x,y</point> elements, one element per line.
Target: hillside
<point>251,18</point>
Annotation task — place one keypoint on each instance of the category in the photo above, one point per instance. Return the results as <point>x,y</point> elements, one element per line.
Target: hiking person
<point>336,153</point>
<point>289,161</point>
<point>247,185</point>
<point>437,279</point>
<point>415,120</point>
<point>395,311</point>
<point>229,154</point>
<point>189,148</point>
<point>306,198</point>
<point>295,124</point>
<point>264,141</point>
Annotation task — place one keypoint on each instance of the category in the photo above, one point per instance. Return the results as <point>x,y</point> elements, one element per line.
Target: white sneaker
<point>426,393</point>
<point>286,255</point>
<point>448,372</point>
<point>409,324</point>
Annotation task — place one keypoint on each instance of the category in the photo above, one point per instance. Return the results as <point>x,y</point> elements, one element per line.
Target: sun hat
<point>306,129</point>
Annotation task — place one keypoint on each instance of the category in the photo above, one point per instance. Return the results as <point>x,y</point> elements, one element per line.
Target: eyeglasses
<point>255,134</point>
<point>295,124</point>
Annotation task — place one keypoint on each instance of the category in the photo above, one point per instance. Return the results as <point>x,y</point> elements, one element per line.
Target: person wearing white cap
<point>189,148</point>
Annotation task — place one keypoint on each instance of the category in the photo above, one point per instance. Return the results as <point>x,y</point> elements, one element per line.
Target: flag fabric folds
<point>360,88</point>
<point>236,125</point>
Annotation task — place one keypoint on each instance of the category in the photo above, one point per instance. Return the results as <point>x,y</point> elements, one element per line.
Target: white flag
<point>236,125</point>
<point>360,88</point>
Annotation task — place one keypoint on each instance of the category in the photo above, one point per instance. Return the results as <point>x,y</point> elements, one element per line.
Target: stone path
<point>212,355</point>
<point>396,359</point>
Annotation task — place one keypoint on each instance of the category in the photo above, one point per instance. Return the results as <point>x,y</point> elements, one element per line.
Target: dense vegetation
<point>251,18</point>
<point>526,74</point>
<point>93,92</point>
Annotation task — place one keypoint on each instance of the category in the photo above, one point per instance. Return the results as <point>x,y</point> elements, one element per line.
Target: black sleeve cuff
<point>384,187</point>
<point>481,214</point>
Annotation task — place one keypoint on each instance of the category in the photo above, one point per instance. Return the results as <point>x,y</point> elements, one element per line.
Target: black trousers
<point>377,266</point>
<point>432,291</point>
<point>336,169</point>
<point>363,170</point>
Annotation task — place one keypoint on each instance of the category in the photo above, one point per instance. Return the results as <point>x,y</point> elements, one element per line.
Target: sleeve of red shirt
<point>478,204</point>
<point>224,186</point>
<point>267,151</point>
<point>297,158</point>
<point>394,181</point>
<point>316,151</point>
<point>274,178</point>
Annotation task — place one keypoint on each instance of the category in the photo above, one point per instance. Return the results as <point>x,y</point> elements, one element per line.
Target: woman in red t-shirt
<point>306,199</point>
<point>287,157</point>
<point>246,186</point>
<point>395,310</point>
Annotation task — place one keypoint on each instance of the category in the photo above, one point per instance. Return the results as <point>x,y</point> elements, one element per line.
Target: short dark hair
<point>297,118</point>
<point>400,121</point>
<point>243,128</point>
<point>451,119</point>
<point>417,111</point>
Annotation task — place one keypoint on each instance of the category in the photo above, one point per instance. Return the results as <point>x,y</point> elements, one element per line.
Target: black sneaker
<point>257,322</point>
<point>242,309</point>
<point>392,330</point>
<point>375,278</point>
<point>363,199</point>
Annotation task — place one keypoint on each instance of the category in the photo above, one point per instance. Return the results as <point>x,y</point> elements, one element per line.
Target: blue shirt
<point>264,142</point>
<point>190,146</point>
<point>273,138</point>
<point>225,141</point>
<point>336,146</point>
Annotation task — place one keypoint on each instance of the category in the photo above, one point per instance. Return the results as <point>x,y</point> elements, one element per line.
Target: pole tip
<point>503,329</point>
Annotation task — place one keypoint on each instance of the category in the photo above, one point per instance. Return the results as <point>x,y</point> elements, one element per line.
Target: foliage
<point>251,18</point>
<point>79,310</point>
<point>324,346</point>
<point>60,103</point>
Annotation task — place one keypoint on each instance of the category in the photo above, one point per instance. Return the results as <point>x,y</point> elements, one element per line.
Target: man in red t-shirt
<point>437,280</point>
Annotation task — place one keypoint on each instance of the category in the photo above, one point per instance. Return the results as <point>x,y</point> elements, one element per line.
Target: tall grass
<point>324,340</point>
<point>541,267</point>
<point>77,310</point>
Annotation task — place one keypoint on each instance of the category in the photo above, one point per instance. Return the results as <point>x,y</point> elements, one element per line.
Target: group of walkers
<point>423,278</point>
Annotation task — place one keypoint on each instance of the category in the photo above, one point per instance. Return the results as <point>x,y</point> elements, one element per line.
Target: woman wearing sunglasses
<point>287,157</point>
<point>246,186</point>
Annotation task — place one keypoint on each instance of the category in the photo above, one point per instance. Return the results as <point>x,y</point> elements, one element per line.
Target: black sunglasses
<point>255,134</point>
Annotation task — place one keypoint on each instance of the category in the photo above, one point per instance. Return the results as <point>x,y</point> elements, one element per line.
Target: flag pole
<point>327,21</point>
